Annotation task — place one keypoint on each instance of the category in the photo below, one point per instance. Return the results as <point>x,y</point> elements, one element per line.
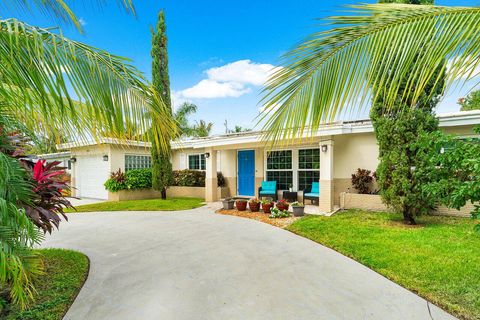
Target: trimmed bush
<point>142,179</point>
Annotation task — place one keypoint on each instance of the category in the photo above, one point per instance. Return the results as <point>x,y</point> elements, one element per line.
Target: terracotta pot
<point>266,207</point>
<point>254,206</point>
<point>282,206</point>
<point>241,205</point>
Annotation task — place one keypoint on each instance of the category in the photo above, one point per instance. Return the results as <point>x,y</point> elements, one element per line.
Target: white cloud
<point>208,89</point>
<point>231,80</point>
<point>242,71</point>
<point>82,22</point>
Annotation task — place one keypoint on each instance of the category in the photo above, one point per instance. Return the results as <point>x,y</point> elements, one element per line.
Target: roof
<point>461,118</point>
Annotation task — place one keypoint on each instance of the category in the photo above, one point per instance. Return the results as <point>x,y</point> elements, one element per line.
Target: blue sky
<point>218,50</point>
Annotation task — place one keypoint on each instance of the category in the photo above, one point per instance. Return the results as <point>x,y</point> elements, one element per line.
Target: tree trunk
<point>408,217</point>
<point>164,193</point>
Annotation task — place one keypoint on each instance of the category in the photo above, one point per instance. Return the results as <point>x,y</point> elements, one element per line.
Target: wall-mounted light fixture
<point>73,160</point>
<point>105,157</point>
<point>207,155</point>
<point>324,148</point>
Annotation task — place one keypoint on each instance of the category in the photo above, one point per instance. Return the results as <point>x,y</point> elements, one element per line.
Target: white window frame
<point>298,164</point>
<point>295,163</point>
<point>199,161</point>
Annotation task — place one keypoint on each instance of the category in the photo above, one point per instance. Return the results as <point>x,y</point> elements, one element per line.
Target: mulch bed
<point>260,216</point>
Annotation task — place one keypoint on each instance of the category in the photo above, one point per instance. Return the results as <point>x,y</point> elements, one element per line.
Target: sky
<point>220,52</point>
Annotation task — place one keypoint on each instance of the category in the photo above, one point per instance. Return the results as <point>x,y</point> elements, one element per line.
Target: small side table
<point>290,196</point>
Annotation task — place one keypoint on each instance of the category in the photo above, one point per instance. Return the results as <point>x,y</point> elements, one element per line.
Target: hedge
<point>142,179</point>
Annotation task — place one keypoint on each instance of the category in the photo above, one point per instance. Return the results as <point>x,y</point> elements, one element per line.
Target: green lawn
<point>439,260</point>
<point>171,204</point>
<point>65,273</point>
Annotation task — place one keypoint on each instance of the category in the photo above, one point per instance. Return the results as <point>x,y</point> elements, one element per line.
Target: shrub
<point>142,179</point>
<point>278,214</point>
<point>361,181</point>
<point>138,179</point>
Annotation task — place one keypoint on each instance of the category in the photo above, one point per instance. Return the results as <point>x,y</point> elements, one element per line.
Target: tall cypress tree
<point>399,173</point>
<point>161,165</point>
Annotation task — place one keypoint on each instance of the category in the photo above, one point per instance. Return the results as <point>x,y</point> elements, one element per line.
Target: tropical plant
<point>181,117</point>
<point>239,129</point>
<point>470,102</point>
<point>202,129</point>
<point>276,213</point>
<point>332,71</point>
<point>131,180</point>
<point>362,180</point>
<point>17,232</point>
<point>161,165</point>
<point>48,187</point>
<point>40,70</point>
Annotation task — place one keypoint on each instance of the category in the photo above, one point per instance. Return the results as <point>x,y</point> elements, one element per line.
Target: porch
<point>245,166</point>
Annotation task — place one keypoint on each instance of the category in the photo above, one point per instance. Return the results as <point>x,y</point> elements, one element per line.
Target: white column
<point>211,175</point>
<point>326,175</point>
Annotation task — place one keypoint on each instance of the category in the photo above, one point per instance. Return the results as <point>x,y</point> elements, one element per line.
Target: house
<point>62,157</point>
<point>330,156</point>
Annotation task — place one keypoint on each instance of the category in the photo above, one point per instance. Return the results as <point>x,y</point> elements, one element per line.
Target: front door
<point>246,173</point>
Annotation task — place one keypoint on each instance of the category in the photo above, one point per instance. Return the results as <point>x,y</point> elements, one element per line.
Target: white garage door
<point>91,174</point>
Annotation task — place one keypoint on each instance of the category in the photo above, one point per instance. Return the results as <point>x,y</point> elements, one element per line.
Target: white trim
<point>463,118</point>
<point>199,161</point>
<point>295,163</point>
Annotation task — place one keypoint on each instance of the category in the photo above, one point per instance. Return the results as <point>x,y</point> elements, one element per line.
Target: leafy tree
<point>396,130</point>
<point>240,129</point>
<point>453,168</point>
<point>397,50</point>
<point>181,117</point>
<point>161,165</point>
<point>202,129</point>
<point>471,102</point>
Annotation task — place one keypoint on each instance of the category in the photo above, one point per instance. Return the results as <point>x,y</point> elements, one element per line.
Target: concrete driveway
<point>199,265</point>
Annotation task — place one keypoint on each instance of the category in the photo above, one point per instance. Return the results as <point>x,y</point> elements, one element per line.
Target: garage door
<point>91,173</point>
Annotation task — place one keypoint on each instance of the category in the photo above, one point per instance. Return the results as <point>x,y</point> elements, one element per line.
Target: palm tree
<point>58,87</point>
<point>202,129</point>
<point>332,72</point>
<point>181,117</point>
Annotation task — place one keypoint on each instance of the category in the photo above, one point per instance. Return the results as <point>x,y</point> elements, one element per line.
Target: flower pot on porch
<point>241,205</point>
<point>228,204</point>
<point>298,211</point>
<point>254,206</point>
<point>266,207</point>
<point>282,205</point>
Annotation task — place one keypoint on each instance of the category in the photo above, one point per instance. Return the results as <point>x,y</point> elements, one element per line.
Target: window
<point>279,168</point>
<point>196,161</point>
<point>308,167</point>
<point>137,162</point>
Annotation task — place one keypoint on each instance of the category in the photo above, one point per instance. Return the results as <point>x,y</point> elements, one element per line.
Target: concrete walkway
<point>199,265</point>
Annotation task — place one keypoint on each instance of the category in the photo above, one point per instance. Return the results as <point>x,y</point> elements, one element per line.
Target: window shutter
<point>183,161</point>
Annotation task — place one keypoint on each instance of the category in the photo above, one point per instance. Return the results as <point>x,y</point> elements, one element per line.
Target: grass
<point>172,204</point>
<point>65,273</point>
<point>439,260</point>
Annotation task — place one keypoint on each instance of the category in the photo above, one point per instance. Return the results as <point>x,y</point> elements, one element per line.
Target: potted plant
<point>298,209</point>
<point>278,214</point>
<point>282,204</point>
<point>228,203</point>
<point>267,205</point>
<point>241,204</point>
<point>254,205</point>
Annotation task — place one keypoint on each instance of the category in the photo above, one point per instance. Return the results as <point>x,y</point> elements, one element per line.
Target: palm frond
<point>60,9</point>
<point>42,72</point>
<point>332,72</point>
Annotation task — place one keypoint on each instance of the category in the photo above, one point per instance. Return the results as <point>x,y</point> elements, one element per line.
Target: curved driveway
<point>199,265</point>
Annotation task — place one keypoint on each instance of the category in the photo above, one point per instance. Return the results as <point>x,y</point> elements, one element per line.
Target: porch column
<point>326,175</point>
<point>211,175</point>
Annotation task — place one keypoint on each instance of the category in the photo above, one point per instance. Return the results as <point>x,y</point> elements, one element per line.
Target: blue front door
<point>246,173</point>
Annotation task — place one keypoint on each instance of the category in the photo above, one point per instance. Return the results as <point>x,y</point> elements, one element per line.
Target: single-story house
<point>330,156</point>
